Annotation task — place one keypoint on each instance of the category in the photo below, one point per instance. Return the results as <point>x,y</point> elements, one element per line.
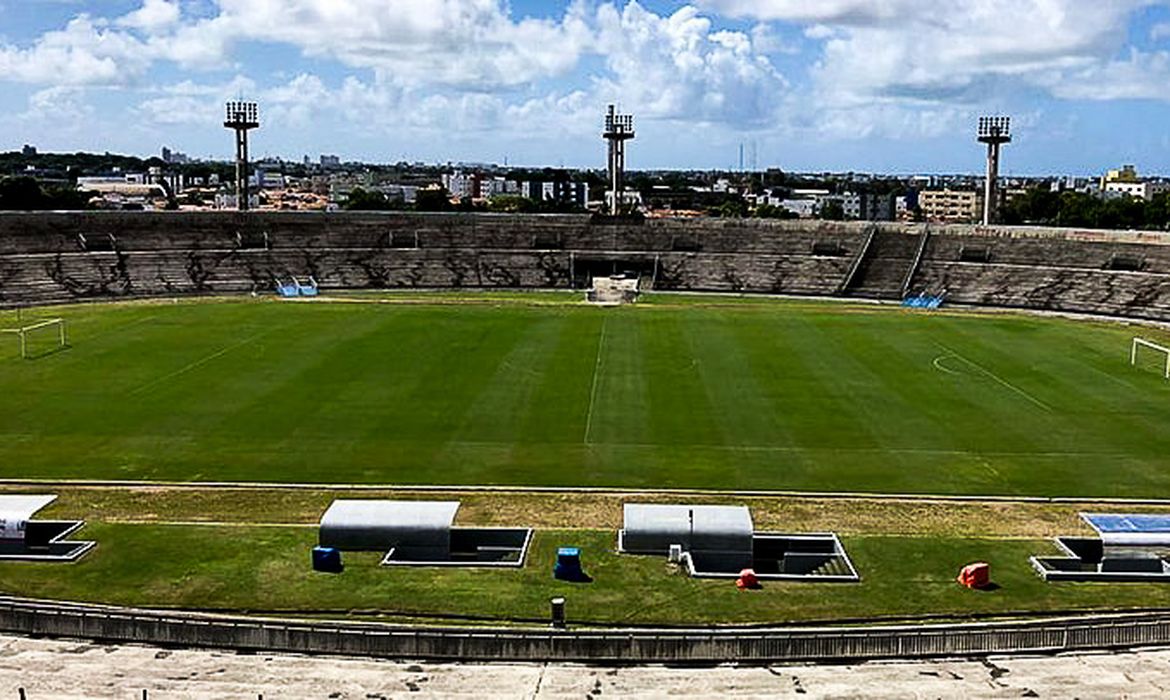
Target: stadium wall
<point>70,256</point>
<point>698,646</point>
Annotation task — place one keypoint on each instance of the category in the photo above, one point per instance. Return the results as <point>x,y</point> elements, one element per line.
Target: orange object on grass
<point>977,575</point>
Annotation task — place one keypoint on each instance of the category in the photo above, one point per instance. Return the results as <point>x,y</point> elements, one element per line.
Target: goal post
<point>1142,343</point>
<point>22,333</point>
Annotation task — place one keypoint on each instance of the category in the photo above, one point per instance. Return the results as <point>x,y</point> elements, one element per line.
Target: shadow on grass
<point>47,353</point>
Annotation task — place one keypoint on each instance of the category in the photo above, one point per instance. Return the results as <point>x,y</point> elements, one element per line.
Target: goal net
<point>37,337</point>
<point>1146,353</point>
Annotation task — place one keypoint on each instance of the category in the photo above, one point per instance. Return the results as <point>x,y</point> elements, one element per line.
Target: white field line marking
<point>938,364</point>
<point>487,445</point>
<point>205,523</point>
<point>199,363</point>
<point>1002,382</point>
<point>121,328</point>
<point>593,390</point>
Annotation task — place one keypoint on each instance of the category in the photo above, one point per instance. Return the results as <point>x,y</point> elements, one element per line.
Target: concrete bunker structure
<point>720,541</point>
<point>419,533</point>
<point>1128,547</point>
<point>25,539</point>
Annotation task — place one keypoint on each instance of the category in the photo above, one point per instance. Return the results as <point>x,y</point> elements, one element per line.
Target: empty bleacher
<point>60,257</point>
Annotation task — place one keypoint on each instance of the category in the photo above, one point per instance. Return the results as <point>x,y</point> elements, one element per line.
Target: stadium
<point>934,395</point>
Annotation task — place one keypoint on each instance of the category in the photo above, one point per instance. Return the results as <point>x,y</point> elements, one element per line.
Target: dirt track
<point>66,669</point>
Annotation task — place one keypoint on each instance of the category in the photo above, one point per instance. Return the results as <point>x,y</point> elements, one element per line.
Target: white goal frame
<point>1149,345</point>
<point>23,331</point>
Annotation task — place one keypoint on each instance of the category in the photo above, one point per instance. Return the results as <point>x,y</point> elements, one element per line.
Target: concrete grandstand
<point>64,257</point>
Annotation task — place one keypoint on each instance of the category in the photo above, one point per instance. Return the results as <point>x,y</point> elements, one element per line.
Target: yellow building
<point>1127,182</point>
<point>1126,174</point>
<point>951,206</point>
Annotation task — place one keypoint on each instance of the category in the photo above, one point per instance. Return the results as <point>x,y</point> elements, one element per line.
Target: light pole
<point>242,117</point>
<point>619,128</point>
<point>993,131</point>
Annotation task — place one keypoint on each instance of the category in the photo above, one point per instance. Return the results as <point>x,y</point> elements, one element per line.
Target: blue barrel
<point>327,559</point>
<point>568,566</point>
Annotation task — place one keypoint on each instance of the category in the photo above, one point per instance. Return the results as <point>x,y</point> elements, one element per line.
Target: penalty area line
<point>1002,382</point>
<point>199,363</point>
<point>593,390</point>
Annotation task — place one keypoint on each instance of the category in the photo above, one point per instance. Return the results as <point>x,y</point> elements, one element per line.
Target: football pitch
<point>538,389</point>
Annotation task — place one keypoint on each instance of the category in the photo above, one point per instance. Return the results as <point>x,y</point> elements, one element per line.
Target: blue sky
<point>867,85</point>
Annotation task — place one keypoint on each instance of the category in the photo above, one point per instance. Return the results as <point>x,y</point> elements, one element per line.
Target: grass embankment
<point>248,549</point>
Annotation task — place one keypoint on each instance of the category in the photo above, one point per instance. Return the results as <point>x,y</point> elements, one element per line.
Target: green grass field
<point>537,390</point>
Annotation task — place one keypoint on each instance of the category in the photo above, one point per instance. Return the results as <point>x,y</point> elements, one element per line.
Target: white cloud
<point>153,16</point>
<point>676,67</point>
<point>449,42</point>
<point>816,11</point>
<point>1160,31</point>
<point>1140,76</point>
<point>59,105</point>
<point>85,52</point>
<point>946,50</point>
<point>191,103</point>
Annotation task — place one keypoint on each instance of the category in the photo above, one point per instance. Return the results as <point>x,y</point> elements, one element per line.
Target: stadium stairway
<point>835,566</point>
<point>885,265</point>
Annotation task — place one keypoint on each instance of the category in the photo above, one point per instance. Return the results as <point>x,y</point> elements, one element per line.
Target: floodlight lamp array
<point>619,123</point>
<point>995,127</point>
<point>243,113</point>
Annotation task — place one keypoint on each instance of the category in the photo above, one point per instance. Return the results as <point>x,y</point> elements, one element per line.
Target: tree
<point>731,209</point>
<point>362,200</point>
<point>511,203</point>
<point>832,211</point>
<point>768,211</point>
<point>26,194</point>
<point>21,194</point>
<point>432,200</point>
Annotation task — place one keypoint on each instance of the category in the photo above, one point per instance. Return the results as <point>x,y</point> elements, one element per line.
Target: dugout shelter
<point>24,539</point>
<point>718,541</point>
<point>419,533</point>
<point>1128,547</point>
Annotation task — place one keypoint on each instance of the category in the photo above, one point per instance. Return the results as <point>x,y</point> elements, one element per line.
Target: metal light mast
<point>993,131</point>
<point>619,128</point>
<point>242,117</point>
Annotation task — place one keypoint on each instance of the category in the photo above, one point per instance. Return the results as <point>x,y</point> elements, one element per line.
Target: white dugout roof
<point>16,510</point>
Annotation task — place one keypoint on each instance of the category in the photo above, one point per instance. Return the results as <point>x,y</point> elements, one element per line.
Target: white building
<point>804,208</point>
<point>460,185</point>
<point>1145,189</point>
<point>1125,181</point>
<point>498,186</point>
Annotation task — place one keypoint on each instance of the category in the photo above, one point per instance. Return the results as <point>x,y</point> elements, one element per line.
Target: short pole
<point>557,606</point>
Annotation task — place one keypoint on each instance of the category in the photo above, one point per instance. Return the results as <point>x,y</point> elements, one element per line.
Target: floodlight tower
<point>619,128</point>
<point>995,132</point>
<point>242,117</point>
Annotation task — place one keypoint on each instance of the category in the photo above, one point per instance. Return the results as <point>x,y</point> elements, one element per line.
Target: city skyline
<point>840,85</point>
